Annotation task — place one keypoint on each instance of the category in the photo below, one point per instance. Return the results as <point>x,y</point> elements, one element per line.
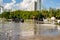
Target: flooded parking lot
<point>14,31</point>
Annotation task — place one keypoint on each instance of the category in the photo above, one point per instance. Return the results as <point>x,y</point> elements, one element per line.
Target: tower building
<point>33,5</point>
<point>38,5</point>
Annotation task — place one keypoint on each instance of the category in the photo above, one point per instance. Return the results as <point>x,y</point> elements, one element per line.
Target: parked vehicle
<point>15,19</point>
<point>22,20</point>
<point>39,20</point>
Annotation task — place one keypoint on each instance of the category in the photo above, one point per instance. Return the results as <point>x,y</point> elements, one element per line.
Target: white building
<point>1,9</point>
<point>30,7</point>
<point>38,5</point>
<point>34,5</point>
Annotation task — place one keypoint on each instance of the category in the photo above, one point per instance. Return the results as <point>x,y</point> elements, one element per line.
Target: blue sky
<point>46,3</point>
<point>8,1</point>
<point>51,3</point>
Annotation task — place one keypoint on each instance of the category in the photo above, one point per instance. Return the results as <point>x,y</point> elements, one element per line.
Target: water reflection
<point>12,30</point>
<point>9,31</point>
<point>51,32</point>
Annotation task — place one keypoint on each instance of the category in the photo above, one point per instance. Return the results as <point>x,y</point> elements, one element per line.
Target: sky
<point>52,4</point>
<point>22,4</point>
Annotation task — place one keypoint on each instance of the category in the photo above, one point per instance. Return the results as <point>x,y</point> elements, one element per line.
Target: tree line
<point>29,14</point>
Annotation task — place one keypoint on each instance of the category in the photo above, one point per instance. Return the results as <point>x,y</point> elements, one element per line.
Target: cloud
<point>22,5</point>
<point>25,3</point>
<point>1,1</point>
<point>10,5</point>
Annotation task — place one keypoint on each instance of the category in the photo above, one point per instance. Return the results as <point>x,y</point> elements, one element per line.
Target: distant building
<point>34,5</point>
<point>38,4</point>
<point>30,7</point>
<point>1,9</point>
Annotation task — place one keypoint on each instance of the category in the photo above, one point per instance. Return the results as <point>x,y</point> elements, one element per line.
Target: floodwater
<point>9,31</point>
<point>50,33</point>
<point>13,30</point>
<point>49,30</point>
<point>17,28</point>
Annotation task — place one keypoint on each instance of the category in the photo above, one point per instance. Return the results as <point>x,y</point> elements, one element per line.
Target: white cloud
<point>1,1</point>
<point>10,5</point>
<point>25,4</point>
<point>28,3</point>
<point>22,5</point>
